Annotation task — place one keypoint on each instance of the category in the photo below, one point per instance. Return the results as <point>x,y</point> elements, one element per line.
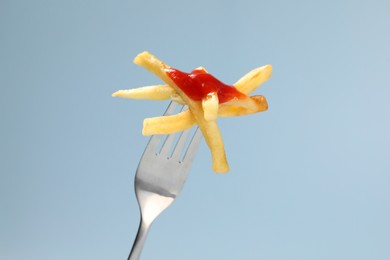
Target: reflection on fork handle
<point>139,240</point>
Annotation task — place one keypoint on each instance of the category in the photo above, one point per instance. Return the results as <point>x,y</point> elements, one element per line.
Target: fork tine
<point>178,150</point>
<point>153,144</point>
<point>171,108</point>
<point>192,147</point>
<point>167,145</point>
<point>154,141</point>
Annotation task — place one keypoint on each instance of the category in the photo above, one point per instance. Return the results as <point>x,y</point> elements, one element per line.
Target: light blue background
<point>309,178</point>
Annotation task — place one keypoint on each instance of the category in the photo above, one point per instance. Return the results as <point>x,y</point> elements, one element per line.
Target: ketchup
<point>199,83</point>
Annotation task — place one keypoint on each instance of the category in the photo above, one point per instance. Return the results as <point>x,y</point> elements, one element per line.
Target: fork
<point>160,177</point>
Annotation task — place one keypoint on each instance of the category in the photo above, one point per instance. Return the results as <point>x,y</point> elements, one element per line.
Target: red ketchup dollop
<point>199,83</point>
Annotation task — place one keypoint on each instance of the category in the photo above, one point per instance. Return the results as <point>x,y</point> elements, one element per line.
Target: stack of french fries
<point>203,113</point>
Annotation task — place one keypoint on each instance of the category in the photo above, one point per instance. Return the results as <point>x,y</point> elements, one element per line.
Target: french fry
<point>226,110</point>
<point>252,80</point>
<point>247,103</point>
<point>210,106</point>
<point>214,140</point>
<point>155,66</point>
<point>157,92</point>
<point>168,124</point>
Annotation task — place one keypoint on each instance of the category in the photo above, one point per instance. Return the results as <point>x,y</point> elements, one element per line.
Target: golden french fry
<point>231,110</point>
<point>168,124</point>
<point>157,92</point>
<point>253,79</point>
<point>217,147</point>
<point>209,129</point>
<point>154,65</point>
<point>247,103</point>
<point>210,106</point>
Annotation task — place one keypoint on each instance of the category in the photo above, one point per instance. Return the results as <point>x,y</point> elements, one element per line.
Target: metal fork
<point>160,177</point>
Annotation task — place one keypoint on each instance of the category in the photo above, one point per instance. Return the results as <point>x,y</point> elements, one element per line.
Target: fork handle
<point>139,241</point>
